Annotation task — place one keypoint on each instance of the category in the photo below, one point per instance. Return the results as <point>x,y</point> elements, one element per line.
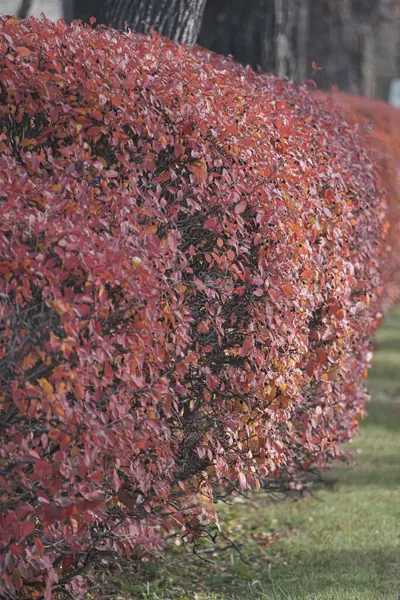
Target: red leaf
<point>116,100</point>
<point>211,223</point>
<point>178,150</point>
<point>93,131</point>
<point>16,549</point>
<point>67,562</point>
<point>173,241</point>
<point>27,528</point>
<point>247,346</point>
<point>315,66</point>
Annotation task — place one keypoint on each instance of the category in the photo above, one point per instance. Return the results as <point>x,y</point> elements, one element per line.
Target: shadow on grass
<point>303,575</point>
<point>326,574</point>
<point>384,414</point>
<point>386,373</point>
<point>389,343</point>
<point>382,471</point>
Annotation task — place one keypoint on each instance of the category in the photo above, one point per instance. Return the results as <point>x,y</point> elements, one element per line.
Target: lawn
<point>341,544</point>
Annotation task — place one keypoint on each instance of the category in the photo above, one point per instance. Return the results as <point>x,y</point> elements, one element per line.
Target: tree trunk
<point>24,9</point>
<point>179,20</point>
<point>243,29</point>
<point>368,80</point>
<point>285,13</point>
<point>302,40</point>
<point>82,10</point>
<point>68,10</point>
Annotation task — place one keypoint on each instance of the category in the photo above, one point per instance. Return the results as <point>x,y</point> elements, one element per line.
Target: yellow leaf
<point>269,392</point>
<point>60,306</point>
<point>181,288</point>
<point>136,261</point>
<point>46,385</point>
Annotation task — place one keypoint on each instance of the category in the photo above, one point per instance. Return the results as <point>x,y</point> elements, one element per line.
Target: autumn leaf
<point>46,385</point>
<point>240,207</point>
<point>23,51</point>
<point>199,170</point>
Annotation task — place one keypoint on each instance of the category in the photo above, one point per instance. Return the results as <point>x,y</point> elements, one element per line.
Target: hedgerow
<point>192,261</point>
<point>380,123</point>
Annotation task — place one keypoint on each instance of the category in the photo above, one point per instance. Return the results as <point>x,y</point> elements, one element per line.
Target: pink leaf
<point>240,207</point>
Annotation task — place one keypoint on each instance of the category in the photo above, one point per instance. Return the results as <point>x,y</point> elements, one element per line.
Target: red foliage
<point>191,270</point>
<point>380,124</point>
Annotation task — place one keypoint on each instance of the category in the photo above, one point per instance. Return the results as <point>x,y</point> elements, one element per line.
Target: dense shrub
<point>191,269</point>
<point>380,123</point>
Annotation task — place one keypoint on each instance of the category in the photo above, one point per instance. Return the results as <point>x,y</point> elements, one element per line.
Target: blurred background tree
<point>356,42</point>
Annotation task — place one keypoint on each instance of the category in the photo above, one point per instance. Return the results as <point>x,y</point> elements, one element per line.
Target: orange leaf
<point>287,289</point>
<point>46,385</point>
<point>22,51</point>
<point>199,170</point>
<point>27,142</point>
<point>307,273</point>
<point>39,545</point>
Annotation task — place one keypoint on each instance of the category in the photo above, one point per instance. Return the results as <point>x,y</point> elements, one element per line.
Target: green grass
<point>342,544</point>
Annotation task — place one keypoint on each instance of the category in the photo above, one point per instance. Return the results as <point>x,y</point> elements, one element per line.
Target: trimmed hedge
<point>191,270</point>
<point>380,124</point>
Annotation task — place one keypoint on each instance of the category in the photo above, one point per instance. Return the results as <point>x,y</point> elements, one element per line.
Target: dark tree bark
<point>272,34</point>
<point>347,38</point>
<point>244,29</point>
<point>179,20</point>
<point>24,9</point>
<point>286,16</point>
<point>352,40</point>
<point>82,10</point>
<point>68,10</point>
